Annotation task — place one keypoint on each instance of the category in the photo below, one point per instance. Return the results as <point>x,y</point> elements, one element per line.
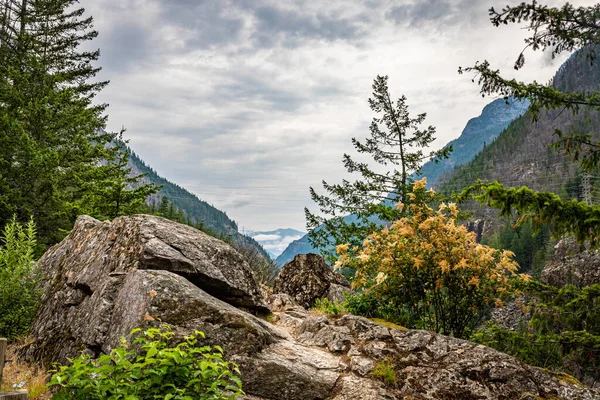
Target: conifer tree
<point>52,134</point>
<point>356,209</point>
<point>114,190</point>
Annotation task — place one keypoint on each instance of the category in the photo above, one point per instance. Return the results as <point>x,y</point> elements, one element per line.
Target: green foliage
<point>355,209</point>
<point>366,304</point>
<point>385,371</point>
<point>563,333</point>
<point>51,136</point>
<point>55,157</point>
<point>114,191</point>
<point>325,306</point>
<point>531,248</point>
<point>567,217</point>
<point>150,369</point>
<point>18,294</point>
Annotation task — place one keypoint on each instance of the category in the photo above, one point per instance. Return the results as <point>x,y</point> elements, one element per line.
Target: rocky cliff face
<point>570,264</point>
<point>106,278</point>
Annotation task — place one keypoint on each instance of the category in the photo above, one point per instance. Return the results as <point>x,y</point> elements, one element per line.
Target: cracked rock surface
<point>307,278</point>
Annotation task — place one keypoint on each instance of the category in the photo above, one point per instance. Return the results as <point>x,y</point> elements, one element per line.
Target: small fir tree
<point>355,209</point>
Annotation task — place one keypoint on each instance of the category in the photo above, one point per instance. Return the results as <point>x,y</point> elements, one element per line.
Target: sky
<point>248,103</point>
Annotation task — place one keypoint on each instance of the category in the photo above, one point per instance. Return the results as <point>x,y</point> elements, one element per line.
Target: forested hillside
<point>521,154</point>
<point>194,209</point>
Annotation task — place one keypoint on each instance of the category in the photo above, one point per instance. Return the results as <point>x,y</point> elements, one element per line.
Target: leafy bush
<point>18,294</point>
<point>428,272</point>
<point>154,371</point>
<point>325,306</point>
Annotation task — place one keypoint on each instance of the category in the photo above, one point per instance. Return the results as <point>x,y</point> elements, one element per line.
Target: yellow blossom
<point>400,206</point>
<point>363,257</point>
<point>342,247</point>
<point>420,184</point>
<point>381,277</point>
<point>453,209</point>
<point>474,281</point>
<point>462,264</point>
<point>444,266</point>
<point>499,303</point>
<point>525,277</point>
<point>418,262</point>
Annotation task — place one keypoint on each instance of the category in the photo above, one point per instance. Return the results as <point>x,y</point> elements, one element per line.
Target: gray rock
<point>427,365</point>
<point>97,249</point>
<point>307,278</point>
<point>288,370</point>
<point>572,265</point>
<point>141,298</point>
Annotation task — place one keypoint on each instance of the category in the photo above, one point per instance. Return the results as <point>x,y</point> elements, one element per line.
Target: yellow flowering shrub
<point>430,270</point>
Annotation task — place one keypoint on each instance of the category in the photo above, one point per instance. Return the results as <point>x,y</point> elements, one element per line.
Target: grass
<point>325,306</point>
<point>29,377</point>
<point>385,371</point>
<point>387,324</point>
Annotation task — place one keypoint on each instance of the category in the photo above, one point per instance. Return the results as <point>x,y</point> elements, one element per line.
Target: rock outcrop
<point>572,265</point>
<point>425,365</point>
<point>95,292</point>
<point>307,278</point>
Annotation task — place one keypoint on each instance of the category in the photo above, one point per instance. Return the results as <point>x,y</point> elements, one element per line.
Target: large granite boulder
<point>95,250</point>
<point>570,264</point>
<point>98,283</point>
<point>120,303</point>
<point>307,278</point>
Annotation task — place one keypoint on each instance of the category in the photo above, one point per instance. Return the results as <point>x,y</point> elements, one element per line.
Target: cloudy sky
<point>247,103</point>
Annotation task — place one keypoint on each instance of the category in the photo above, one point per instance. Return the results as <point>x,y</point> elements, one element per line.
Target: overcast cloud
<point>247,103</point>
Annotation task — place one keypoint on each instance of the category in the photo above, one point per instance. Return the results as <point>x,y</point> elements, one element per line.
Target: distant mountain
<point>300,246</point>
<point>494,118</point>
<point>480,130</point>
<point>195,210</point>
<point>276,241</point>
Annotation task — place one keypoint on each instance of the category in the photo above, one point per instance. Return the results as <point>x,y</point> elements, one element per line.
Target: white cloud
<point>247,103</point>
<point>262,238</point>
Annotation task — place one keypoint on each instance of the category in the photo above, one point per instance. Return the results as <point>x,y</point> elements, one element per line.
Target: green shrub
<point>150,369</point>
<point>363,303</point>
<point>18,294</point>
<point>327,307</point>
